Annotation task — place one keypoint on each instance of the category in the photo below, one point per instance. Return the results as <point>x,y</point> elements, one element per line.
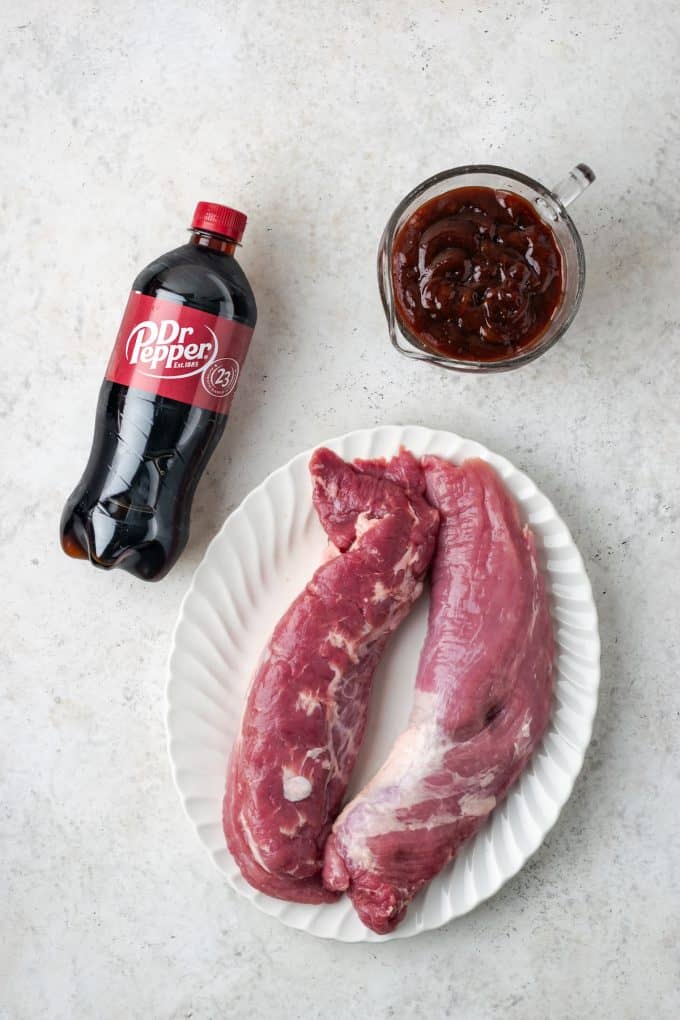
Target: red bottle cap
<point>219,219</point>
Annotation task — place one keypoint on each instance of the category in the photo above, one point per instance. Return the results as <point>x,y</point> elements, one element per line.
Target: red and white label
<point>179,352</point>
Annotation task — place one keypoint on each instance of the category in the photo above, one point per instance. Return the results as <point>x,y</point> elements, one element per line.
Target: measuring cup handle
<point>574,184</point>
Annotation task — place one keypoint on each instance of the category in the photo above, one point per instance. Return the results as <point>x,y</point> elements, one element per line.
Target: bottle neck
<point>215,242</point>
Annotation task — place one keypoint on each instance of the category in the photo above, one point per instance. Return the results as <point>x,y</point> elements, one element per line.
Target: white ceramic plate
<point>263,556</point>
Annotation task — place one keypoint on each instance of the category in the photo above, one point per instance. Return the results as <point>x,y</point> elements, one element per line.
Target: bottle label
<point>166,348</point>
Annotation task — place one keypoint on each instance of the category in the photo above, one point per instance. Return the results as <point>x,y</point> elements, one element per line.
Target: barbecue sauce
<point>477,274</point>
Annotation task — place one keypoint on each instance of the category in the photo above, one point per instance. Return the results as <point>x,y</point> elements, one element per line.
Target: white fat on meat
<point>318,752</point>
<point>352,649</point>
<point>291,830</point>
<point>295,787</point>
<point>472,805</point>
<point>524,737</point>
<point>407,560</point>
<point>365,521</point>
<point>418,753</point>
<point>254,849</point>
<point>307,702</point>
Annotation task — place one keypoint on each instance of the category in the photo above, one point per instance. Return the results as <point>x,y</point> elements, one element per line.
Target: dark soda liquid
<point>132,507</point>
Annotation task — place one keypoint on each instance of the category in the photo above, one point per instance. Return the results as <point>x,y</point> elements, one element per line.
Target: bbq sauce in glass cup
<point>481,268</point>
<point>477,274</point>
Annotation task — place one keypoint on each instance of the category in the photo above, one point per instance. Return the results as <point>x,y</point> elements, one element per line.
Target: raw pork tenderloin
<point>482,702</point>
<point>306,708</point>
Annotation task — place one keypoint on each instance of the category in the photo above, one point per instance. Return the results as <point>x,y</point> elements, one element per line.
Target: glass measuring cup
<point>551,206</point>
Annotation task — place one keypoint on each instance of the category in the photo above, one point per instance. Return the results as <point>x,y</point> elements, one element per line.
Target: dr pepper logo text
<point>167,350</point>
<point>179,352</point>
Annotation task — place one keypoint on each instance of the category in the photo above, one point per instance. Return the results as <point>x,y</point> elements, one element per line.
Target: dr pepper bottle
<point>164,402</point>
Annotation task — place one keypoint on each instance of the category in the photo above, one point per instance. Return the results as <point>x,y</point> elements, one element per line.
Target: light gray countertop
<point>316,118</point>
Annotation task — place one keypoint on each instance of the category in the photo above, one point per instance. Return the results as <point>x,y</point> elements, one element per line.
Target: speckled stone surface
<point>316,118</point>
